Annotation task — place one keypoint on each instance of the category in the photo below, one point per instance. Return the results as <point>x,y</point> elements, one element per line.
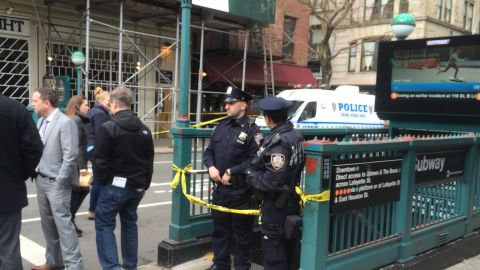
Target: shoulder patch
<point>277,160</point>
<point>258,137</point>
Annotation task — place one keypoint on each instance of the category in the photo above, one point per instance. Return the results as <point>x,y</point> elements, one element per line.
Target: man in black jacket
<point>21,150</point>
<point>124,157</point>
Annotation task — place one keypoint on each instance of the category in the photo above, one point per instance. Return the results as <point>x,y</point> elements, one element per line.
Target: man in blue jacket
<point>21,150</point>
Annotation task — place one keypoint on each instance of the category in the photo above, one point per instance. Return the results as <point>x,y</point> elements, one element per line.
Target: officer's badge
<point>258,138</point>
<point>242,136</point>
<point>277,160</point>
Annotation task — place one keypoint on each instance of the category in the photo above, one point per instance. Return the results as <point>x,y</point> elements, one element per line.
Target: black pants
<point>78,195</point>
<point>10,225</point>
<point>278,253</point>
<point>230,228</point>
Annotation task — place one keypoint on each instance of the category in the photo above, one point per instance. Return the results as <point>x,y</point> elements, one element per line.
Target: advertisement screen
<point>430,79</point>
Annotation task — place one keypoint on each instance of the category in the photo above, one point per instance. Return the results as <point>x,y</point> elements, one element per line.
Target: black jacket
<point>81,122</point>
<point>124,148</point>
<point>20,151</point>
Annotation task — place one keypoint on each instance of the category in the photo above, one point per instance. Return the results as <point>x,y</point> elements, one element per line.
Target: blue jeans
<point>112,201</point>
<point>95,190</point>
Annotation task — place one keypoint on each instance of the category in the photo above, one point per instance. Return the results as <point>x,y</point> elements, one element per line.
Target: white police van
<point>344,107</point>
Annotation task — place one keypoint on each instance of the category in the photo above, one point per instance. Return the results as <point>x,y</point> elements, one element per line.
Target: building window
<point>403,6</point>
<point>356,11</point>
<point>14,78</point>
<point>102,70</point>
<point>369,56</point>
<point>289,24</point>
<point>352,57</point>
<point>448,11</point>
<point>315,40</point>
<point>438,9</point>
<point>378,9</point>
<point>468,16</point>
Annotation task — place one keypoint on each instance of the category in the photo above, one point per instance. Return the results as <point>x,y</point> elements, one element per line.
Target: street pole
<point>180,229</point>
<point>79,80</point>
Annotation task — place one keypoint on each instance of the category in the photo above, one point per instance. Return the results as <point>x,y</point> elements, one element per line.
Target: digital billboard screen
<point>429,79</point>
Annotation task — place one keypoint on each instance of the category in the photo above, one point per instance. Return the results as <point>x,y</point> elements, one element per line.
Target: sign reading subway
<point>440,166</point>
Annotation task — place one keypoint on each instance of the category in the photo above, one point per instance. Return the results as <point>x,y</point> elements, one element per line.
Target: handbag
<point>85,180</point>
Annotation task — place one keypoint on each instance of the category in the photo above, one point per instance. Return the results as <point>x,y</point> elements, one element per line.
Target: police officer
<point>273,174</point>
<point>233,145</point>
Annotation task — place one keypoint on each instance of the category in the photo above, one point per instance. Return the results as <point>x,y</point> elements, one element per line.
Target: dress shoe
<point>91,215</point>
<point>48,267</point>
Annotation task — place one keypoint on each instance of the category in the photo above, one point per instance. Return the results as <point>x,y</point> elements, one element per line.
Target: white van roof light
<point>347,89</point>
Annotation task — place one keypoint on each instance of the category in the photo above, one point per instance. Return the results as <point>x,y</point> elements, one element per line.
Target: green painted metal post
<point>403,218</point>
<point>180,228</point>
<point>467,187</point>
<point>315,235</point>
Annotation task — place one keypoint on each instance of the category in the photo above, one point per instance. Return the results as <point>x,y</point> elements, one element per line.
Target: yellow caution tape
<point>180,174</point>
<point>322,197</point>
<point>180,177</point>
<point>196,125</point>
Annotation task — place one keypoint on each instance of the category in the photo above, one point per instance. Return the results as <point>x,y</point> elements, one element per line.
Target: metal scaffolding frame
<point>123,35</point>
<point>123,32</point>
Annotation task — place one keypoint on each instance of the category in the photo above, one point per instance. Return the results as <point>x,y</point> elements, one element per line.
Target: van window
<point>309,112</point>
<point>292,110</point>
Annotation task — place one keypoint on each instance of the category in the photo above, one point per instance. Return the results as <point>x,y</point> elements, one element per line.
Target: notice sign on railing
<point>364,182</point>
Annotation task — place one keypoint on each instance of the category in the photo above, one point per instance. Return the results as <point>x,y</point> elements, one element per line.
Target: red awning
<point>226,69</point>
<point>293,76</point>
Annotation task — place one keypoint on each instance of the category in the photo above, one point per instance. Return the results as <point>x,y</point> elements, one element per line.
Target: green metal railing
<point>426,215</point>
<point>190,221</point>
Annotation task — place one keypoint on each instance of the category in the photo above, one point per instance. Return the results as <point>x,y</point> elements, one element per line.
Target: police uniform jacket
<point>233,145</point>
<point>279,161</point>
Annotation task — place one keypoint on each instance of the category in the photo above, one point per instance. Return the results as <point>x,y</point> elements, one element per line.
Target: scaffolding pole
<point>120,45</point>
<point>87,47</point>
<point>175,84</point>
<point>198,118</point>
<point>245,49</point>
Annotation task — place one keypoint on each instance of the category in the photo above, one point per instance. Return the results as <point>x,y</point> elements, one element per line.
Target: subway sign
<point>431,167</point>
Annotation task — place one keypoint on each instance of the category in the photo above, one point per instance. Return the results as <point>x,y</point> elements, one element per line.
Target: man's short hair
<point>49,94</point>
<point>122,95</point>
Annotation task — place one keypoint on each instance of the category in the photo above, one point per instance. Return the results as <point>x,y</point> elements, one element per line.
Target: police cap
<point>237,94</point>
<point>274,104</point>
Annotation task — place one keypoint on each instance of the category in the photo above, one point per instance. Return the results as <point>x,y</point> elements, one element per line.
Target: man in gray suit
<point>55,173</point>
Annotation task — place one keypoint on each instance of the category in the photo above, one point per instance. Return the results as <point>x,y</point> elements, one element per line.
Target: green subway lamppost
<point>403,25</point>
<point>78,58</point>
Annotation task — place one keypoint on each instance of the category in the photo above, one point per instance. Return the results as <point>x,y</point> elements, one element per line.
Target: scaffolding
<point>125,60</point>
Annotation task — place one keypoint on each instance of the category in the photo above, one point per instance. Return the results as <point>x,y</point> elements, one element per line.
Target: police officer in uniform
<point>233,145</point>
<point>273,174</point>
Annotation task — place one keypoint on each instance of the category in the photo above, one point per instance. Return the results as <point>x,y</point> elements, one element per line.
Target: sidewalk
<point>205,262</point>
<point>199,264</point>
<point>163,145</point>
<point>472,263</point>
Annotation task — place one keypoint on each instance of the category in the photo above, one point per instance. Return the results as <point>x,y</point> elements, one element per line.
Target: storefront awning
<point>223,69</point>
